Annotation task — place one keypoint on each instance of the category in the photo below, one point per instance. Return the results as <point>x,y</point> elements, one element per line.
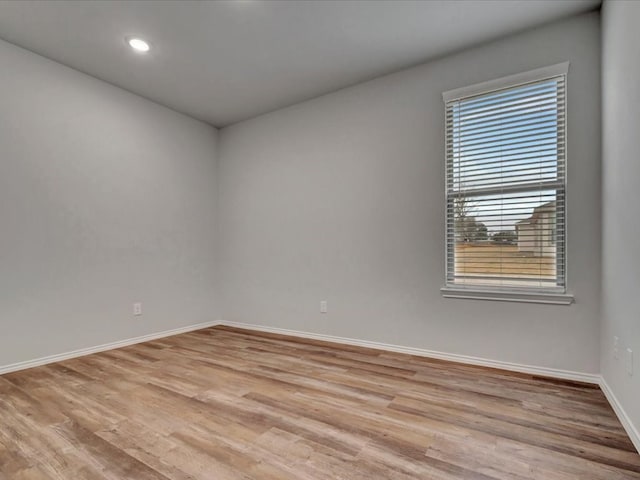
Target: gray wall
<point>621,199</point>
<point>341,198</point>
<point>105,199</point>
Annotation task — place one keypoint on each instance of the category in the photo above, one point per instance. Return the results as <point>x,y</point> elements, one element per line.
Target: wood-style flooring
<point>230,404</point>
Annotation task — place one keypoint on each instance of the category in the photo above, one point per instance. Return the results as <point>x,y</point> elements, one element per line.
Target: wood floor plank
<point>231,404</point>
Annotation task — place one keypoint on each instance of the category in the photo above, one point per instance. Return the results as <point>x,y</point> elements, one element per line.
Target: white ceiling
<point>225,61</point>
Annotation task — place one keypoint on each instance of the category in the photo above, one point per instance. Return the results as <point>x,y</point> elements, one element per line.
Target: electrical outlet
<point>616,349</point>
<point>137,308</point>
<point>629,362</point>
<point>323,306</point>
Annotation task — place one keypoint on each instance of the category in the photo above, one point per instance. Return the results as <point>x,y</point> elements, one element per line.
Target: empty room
<point>319,239</point>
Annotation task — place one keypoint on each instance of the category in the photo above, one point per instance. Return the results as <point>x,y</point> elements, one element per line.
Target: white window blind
<point>505,186</point>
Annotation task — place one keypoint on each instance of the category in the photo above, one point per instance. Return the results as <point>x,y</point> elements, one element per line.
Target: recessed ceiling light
<point>138,44</point>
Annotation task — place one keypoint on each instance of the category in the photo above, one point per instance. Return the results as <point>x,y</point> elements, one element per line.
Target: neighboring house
<point>537,234</point>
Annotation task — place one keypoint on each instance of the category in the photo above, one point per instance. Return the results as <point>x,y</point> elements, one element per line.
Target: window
<point>505,187</point>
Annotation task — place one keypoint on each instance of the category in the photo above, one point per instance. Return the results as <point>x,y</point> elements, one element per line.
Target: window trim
<point>561,297</point>
<point>506,295</point>
<point>509,81</point>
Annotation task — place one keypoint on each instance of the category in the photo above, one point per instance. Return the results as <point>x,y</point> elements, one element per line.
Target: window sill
<point>507,296</point>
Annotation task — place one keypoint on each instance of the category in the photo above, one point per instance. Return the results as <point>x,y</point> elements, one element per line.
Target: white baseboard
<point>592,378</point>
<point>101,348</point>
<point>453,357</point>
<point>515,367</point>
<point>628,425</point>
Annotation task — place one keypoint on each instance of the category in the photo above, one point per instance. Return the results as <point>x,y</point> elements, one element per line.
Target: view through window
<point>506,188</point>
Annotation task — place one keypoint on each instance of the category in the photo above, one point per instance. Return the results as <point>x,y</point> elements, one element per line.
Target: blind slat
<point>482,133</point>
<point>500,144</point>
<point>530,107</point>
<point>489,99</point>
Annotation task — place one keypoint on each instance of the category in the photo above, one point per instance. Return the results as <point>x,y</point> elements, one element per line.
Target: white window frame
<point>505,293</point>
